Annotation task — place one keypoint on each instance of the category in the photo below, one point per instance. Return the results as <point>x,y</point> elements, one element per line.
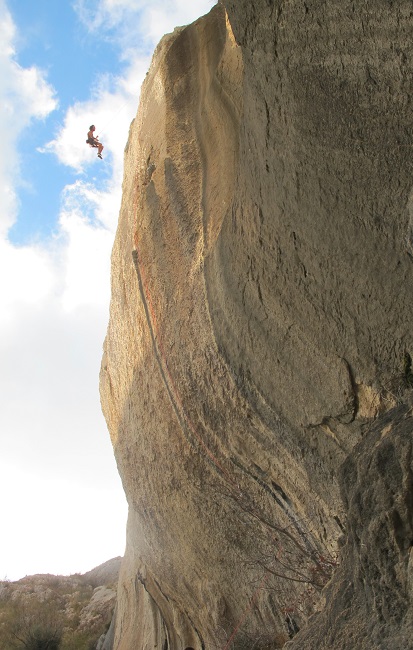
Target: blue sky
<point>52,35</point>
<point>63,65</point>
<point>47,32</point>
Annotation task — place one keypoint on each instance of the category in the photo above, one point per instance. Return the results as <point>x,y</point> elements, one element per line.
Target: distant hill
<point>104,574</point>
<point>76,609</point>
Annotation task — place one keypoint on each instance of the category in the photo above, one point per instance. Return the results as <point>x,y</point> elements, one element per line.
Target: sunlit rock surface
<point>260,334</point>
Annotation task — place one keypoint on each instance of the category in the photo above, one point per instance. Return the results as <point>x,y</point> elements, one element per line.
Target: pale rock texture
<point>258,355</point>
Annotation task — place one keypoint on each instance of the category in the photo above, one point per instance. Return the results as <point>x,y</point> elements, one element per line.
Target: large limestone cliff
<point>257,369</point>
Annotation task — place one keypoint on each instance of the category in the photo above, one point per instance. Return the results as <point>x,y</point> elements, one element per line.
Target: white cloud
<point>38,524</point>
<point>7,32</point>
<point>36,97</point>
<point>111,113</point>
<point>24,95</point>
<point>27,278</point>
<point>54,298</point>
<point>87,257</point>
<point>56,462</point>
<point>163,16</point>
<point>139,24</point>
<point>63,491</point>
<point>136,26</point>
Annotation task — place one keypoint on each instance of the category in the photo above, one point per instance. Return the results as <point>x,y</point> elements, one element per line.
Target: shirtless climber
<point>94,140</point>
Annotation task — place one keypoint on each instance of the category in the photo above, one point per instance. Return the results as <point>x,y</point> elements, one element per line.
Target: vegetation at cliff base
<point>53,613</point>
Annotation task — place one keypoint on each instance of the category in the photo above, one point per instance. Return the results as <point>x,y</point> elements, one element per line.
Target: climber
<point>93,140</point>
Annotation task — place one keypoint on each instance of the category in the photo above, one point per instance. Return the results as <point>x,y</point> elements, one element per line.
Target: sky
<point>63,66</point>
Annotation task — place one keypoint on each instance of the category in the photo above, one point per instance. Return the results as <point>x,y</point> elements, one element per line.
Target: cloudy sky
<point>63,66</point>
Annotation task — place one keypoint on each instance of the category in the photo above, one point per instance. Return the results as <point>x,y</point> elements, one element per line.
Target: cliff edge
<point>256,377</point>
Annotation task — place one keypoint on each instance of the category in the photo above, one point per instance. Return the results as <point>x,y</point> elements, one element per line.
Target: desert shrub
<point>30,625</point>
<point>39,637</point>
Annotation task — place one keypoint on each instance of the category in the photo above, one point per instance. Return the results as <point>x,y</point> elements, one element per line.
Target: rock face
<point>369,600</point>
<point>258,354</point>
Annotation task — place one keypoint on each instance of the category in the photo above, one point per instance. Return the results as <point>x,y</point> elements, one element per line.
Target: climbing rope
<point>163,364</point>
<point>112,118</point>
<point>185,420</point>
<point>180,412</point>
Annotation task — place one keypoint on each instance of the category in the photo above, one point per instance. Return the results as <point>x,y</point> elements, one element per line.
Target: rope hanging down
<point>180,412</point>
<point>165,372</point>
<point>115,114</point>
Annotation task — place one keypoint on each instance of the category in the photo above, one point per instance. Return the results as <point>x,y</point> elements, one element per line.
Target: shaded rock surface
<point>369,602</point>
<point>259,340</point>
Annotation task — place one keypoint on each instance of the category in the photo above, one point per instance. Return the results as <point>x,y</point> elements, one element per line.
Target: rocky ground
<point>78,608</point>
